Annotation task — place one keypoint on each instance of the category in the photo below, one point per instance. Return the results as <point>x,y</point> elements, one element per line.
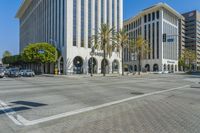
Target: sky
<point>9,25</point>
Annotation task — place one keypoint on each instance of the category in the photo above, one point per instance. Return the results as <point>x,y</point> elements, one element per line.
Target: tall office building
<point>69,24</point>
<point>151,23</point>
<point>192,30</point>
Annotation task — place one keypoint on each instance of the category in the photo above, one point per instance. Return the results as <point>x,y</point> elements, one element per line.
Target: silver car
<point>28,73</point>
<point>2,74</point>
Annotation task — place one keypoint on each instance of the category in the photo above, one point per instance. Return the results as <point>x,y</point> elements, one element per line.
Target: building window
<point>74,23</point>
<point>153,16</point>
<point>158,37</point>
<point>153,40</point>
<point>149,39</point>
<point>82,23</point>
<point>149,17</point>
<point>157,14</point>
<point>145,32</point>
<point>145,18</point>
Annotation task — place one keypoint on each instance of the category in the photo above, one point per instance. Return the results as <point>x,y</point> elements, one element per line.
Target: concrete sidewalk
<point>94,75</point>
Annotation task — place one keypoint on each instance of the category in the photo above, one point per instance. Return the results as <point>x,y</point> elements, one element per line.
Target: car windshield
<point>14,69</point>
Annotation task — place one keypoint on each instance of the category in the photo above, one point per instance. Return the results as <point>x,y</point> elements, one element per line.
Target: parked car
<point>13,72</point>
<point>165,72</point>
<point>22,72</point>
<point>6,72</point>
<point>2,73</point>
<point>28,73</point>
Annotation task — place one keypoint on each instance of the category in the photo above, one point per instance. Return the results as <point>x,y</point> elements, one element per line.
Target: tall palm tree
<point>121,40</point>
<point>102,41</point>
<point>141,48</point>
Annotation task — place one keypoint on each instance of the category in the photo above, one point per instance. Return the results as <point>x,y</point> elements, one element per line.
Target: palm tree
<point>121,40</point>
<point>140,48</point>
<point>102,41</point>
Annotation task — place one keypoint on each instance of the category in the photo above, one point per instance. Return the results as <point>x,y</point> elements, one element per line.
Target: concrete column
<point>92,18</point>
<point>86,23</point>
<point>110,13</point>
<point>104,11</point>
<point>78,23</point>
<point>115,14</point>
<point>68,63</point>
<point>99,14</point>
<point>120,14</point>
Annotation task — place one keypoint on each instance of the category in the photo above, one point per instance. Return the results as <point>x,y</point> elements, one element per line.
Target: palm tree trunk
<point>104,61</point>
<point>139,65</point>
<point>122,61</point>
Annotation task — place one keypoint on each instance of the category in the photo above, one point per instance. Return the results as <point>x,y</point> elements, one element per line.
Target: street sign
<point>170,40</point>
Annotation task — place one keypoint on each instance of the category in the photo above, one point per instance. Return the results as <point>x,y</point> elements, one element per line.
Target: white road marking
<point>71,113</point>
<point>9,112</point>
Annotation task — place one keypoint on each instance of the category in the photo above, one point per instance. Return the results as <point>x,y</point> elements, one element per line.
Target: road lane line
<point>9,112</point>
<point>87,109</point>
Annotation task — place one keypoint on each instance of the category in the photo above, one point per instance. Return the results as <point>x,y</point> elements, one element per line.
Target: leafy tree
<point>40,53</point>
<point>121,41</point>
<point>12,60</point>
<point>7,54</point>
<point>140,48</point>
<point>102,41</point>
<point>188,58</point>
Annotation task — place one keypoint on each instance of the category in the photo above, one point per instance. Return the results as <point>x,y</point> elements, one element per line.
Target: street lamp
<point>91,64</point>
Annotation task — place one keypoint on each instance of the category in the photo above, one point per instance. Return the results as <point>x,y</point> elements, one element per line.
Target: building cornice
<point>155,7</point>
<point>23,7</point>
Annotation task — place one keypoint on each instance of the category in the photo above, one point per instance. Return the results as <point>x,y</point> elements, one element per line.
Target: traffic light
<point>164,37</point>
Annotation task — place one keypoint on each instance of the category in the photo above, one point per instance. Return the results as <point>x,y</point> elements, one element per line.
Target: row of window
<point>151,16</point>
<point>93,29</point>
<point>44,22</point>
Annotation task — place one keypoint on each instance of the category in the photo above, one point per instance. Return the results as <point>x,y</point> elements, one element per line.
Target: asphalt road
<point>148,104</point>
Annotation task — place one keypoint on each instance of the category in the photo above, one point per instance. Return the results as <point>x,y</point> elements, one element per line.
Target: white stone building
<point>69,24</point>
<point>151,23</point>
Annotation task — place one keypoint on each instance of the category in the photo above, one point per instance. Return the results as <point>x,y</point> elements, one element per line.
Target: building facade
<point>192,30</point>
<point>151,24</point>
<point>181,38</point>
<point>69,25</point>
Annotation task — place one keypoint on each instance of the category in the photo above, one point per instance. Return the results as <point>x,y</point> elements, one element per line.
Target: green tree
<point>40,53</point>
<point>188,58</point>
<point>102,41</point>
<point>7,54</point>
<point>121,42</point>
<point>140,48</point>
<point>12,60</point>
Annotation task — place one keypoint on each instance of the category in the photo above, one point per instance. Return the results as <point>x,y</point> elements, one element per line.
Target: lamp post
<point>91,64</point>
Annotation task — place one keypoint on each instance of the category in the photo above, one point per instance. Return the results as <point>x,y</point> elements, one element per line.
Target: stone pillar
<point>78,23</point>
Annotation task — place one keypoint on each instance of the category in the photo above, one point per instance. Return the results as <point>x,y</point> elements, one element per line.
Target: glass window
<point>149,17</point>
<point>145,18</point>
<point>157,14</point>
<point>153,16</point>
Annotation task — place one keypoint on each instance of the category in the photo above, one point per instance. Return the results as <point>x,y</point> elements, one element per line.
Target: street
<point>155,103</point>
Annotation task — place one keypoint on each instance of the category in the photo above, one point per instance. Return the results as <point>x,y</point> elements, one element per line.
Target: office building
<point>192,33</point>
<point>69,24</point>
<point>151,23</point>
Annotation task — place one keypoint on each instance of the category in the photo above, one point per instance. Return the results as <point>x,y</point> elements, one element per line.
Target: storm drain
<point>137,93</point>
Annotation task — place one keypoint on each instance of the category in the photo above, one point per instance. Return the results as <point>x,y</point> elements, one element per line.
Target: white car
<point>2,74</point>
<point>29,73</point>
<point>165,72</point>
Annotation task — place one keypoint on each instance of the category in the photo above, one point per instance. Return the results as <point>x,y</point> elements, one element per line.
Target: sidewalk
<point>94,75</point>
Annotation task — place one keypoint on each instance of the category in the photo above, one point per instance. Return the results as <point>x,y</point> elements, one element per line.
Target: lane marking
<point>87,109</point>
<point>9,112</point>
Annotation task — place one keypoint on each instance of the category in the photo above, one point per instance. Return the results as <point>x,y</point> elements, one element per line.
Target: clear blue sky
<point>9,28</point>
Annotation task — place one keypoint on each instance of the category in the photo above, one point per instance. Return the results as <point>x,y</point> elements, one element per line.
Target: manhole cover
<point>137,93</point>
